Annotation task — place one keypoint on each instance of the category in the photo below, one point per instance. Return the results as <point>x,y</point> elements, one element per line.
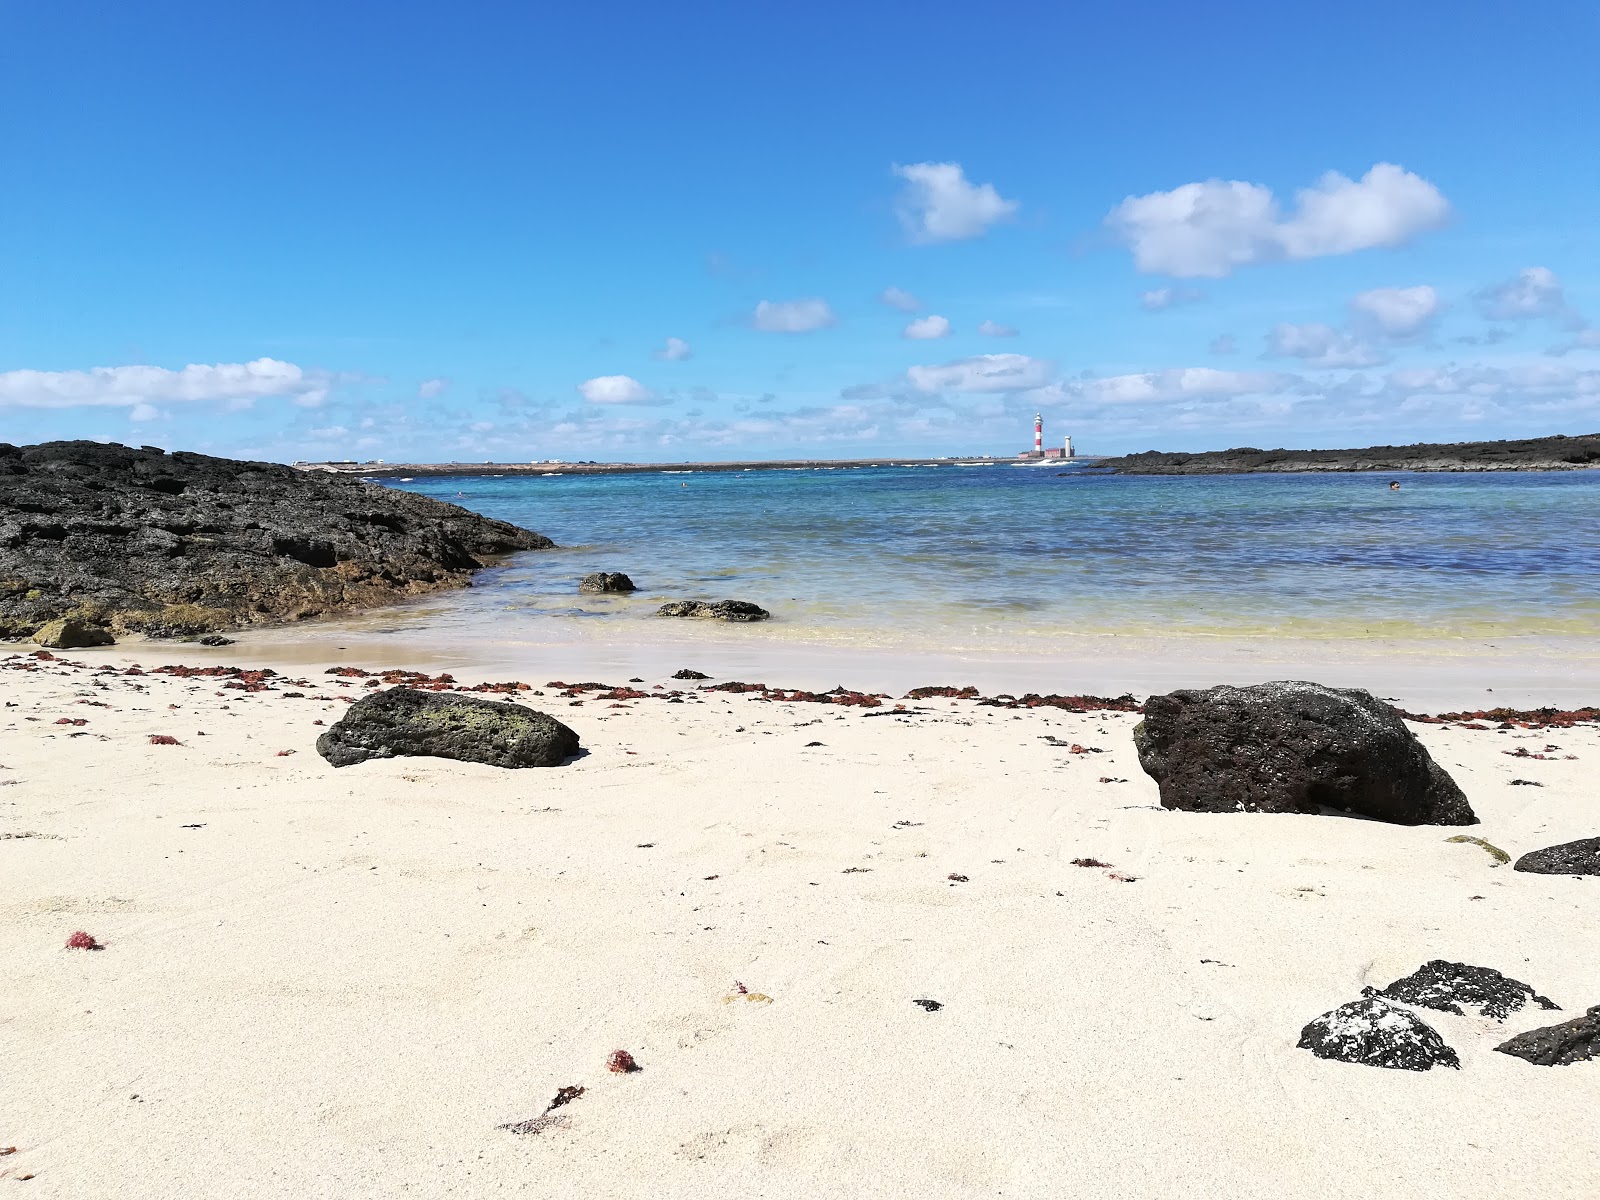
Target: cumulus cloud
<point>1167,297</point>
<point>899,298</point>
<point>982,373</point>
<point>1535,292</point>
<point>995,329</point>
<point>1397,313</point>
<point>429,388</point>
<point>1321,345</point>
<point>141,413</point>
<point>1584,339</point>
<point>925,328</point>
<point>140,387</point>
<point>1180,383</point>
<point>616,389</point>
<point>675,350</point>
<point>1211,228</point>
<point>940,205</point>
<point>1224,343</point>
<point>792,316</point>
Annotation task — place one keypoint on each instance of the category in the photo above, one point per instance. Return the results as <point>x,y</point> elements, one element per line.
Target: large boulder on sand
<point>1581,857</point>
<point>606,581</point>
<point>716,610</point>
<point>1558,1045</point>
<point>1375,1033</point>
<point>1293,747</point>
<point>404,721</point>
<point>67,634</point>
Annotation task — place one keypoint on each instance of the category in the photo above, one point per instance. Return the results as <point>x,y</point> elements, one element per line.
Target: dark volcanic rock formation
<point>1558,1045</point>
<point>1557,453</point>
<point>1293,747</point>
<point>69,634</point>
<point>720,610</point>
<point>606,581</point>
<point>178,544</point>
<point>1446,986</point>
<point>1375,1033</point>
<point>1581,857</point>
<point>404,721</point>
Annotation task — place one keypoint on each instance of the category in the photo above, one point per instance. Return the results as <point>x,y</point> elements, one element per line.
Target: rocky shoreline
<point>1557,453</point>
<point>114,540</point>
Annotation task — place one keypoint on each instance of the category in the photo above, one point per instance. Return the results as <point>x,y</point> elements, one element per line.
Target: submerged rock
<point>1446,986</point>
<point>606,581</point>
<point>404,721</point>
<point>1375,1033</point>
<point>71,635</point>
<point>174,545</point>
<point>1581,857</point>
<point>1558,1045</point>
<point>1292,747</point>
<point>720,610</point>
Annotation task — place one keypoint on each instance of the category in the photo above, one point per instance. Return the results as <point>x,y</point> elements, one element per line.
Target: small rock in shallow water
<point>606,581</point>
<point>216,639</point>
<point>686,673</point>
<point>1581,857</point>
<point>720,610</point>
<point>1375,1033</point>
<point>1558,1045</point>
<point>1446,986</point>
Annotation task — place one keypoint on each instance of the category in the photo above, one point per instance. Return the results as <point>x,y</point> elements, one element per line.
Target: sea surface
<point>985,559</point>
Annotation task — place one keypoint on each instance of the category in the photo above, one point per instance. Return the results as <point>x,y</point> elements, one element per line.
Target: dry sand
<point>339,983</point>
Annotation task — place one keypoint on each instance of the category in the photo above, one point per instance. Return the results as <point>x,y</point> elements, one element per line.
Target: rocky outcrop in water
<point>173,545</point>
<point>404,721</point>
<point>1558,1045</point>
<point>606,581</point>
<point>1375,1033</point>
<point>1293,747</point>
<point>714,610</point>
<point>1559,453</point>
<point>1581,857</point>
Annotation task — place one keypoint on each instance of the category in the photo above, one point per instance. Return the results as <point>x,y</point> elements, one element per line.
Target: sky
<point>499,231</point>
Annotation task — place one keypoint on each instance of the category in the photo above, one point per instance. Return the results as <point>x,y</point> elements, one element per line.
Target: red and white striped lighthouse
<point>1038,435</point>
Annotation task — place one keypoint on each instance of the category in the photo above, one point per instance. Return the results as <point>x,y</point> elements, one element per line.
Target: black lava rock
<point>71,635</point>
<point>1446,986</point>
<point>720,610</point>
<point>1293,747</point>
<point>686,673</point>
<point>1581,857</point>
<point>606,581</point>
<point>404,721</point>
<point>1375,1033</point>
<point>173,545</point>
<point>1558,1045</point>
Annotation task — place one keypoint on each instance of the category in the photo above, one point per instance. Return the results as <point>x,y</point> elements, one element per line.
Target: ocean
<point>1002,559</point>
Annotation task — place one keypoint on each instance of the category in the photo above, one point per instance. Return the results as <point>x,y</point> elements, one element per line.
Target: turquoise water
<point>1001,557</point>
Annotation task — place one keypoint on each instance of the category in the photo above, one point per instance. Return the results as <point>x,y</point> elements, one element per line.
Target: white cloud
<point>145,412</point>
<point>1224,343</point>
<point>1535,292</point>
<point>983,373</point>
<point>1209,229</point>
<point>1160,298</point>
<point>616,389</point>
<point>1321,346</point>
<point>995,329</point>
<point>429,388</point>
<point>926,328</point>
<point>1181,383</point>
<point>675,350</point>
<point>1584,339</point>
<point>939,205</point>
<point>1397,312</point>
<point>130,387</point>
<point>899,298</point>
<point>792,316</point>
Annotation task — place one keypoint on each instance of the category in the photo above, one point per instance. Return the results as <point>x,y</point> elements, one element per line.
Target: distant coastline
<point>1557,453</point>
<point>372,470</point>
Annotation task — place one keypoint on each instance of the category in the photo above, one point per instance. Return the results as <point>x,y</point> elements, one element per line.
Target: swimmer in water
<point>1394,485</point>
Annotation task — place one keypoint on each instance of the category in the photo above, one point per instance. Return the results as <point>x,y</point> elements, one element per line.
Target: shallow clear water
<point>1001,557</point>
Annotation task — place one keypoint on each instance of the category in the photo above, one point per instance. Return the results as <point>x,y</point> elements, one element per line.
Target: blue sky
<point>501,231</point>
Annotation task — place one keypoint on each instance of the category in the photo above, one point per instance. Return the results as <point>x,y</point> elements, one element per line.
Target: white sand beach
<point>340,983</point>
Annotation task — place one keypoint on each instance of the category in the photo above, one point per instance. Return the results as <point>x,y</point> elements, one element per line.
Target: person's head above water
<point>1394,485</point>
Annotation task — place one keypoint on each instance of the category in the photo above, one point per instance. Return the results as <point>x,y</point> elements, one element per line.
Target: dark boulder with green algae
<point>1292,747</point>
<point>403,722</point>
<point>175,545</point>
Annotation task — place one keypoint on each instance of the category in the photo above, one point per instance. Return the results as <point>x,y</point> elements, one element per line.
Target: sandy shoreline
<point>322,983</point>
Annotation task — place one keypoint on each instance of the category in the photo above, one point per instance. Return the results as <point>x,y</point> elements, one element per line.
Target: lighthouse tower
<point>1038,435</point>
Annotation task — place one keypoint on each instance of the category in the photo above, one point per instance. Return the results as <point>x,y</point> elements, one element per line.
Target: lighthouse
<point>1038,435</point>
